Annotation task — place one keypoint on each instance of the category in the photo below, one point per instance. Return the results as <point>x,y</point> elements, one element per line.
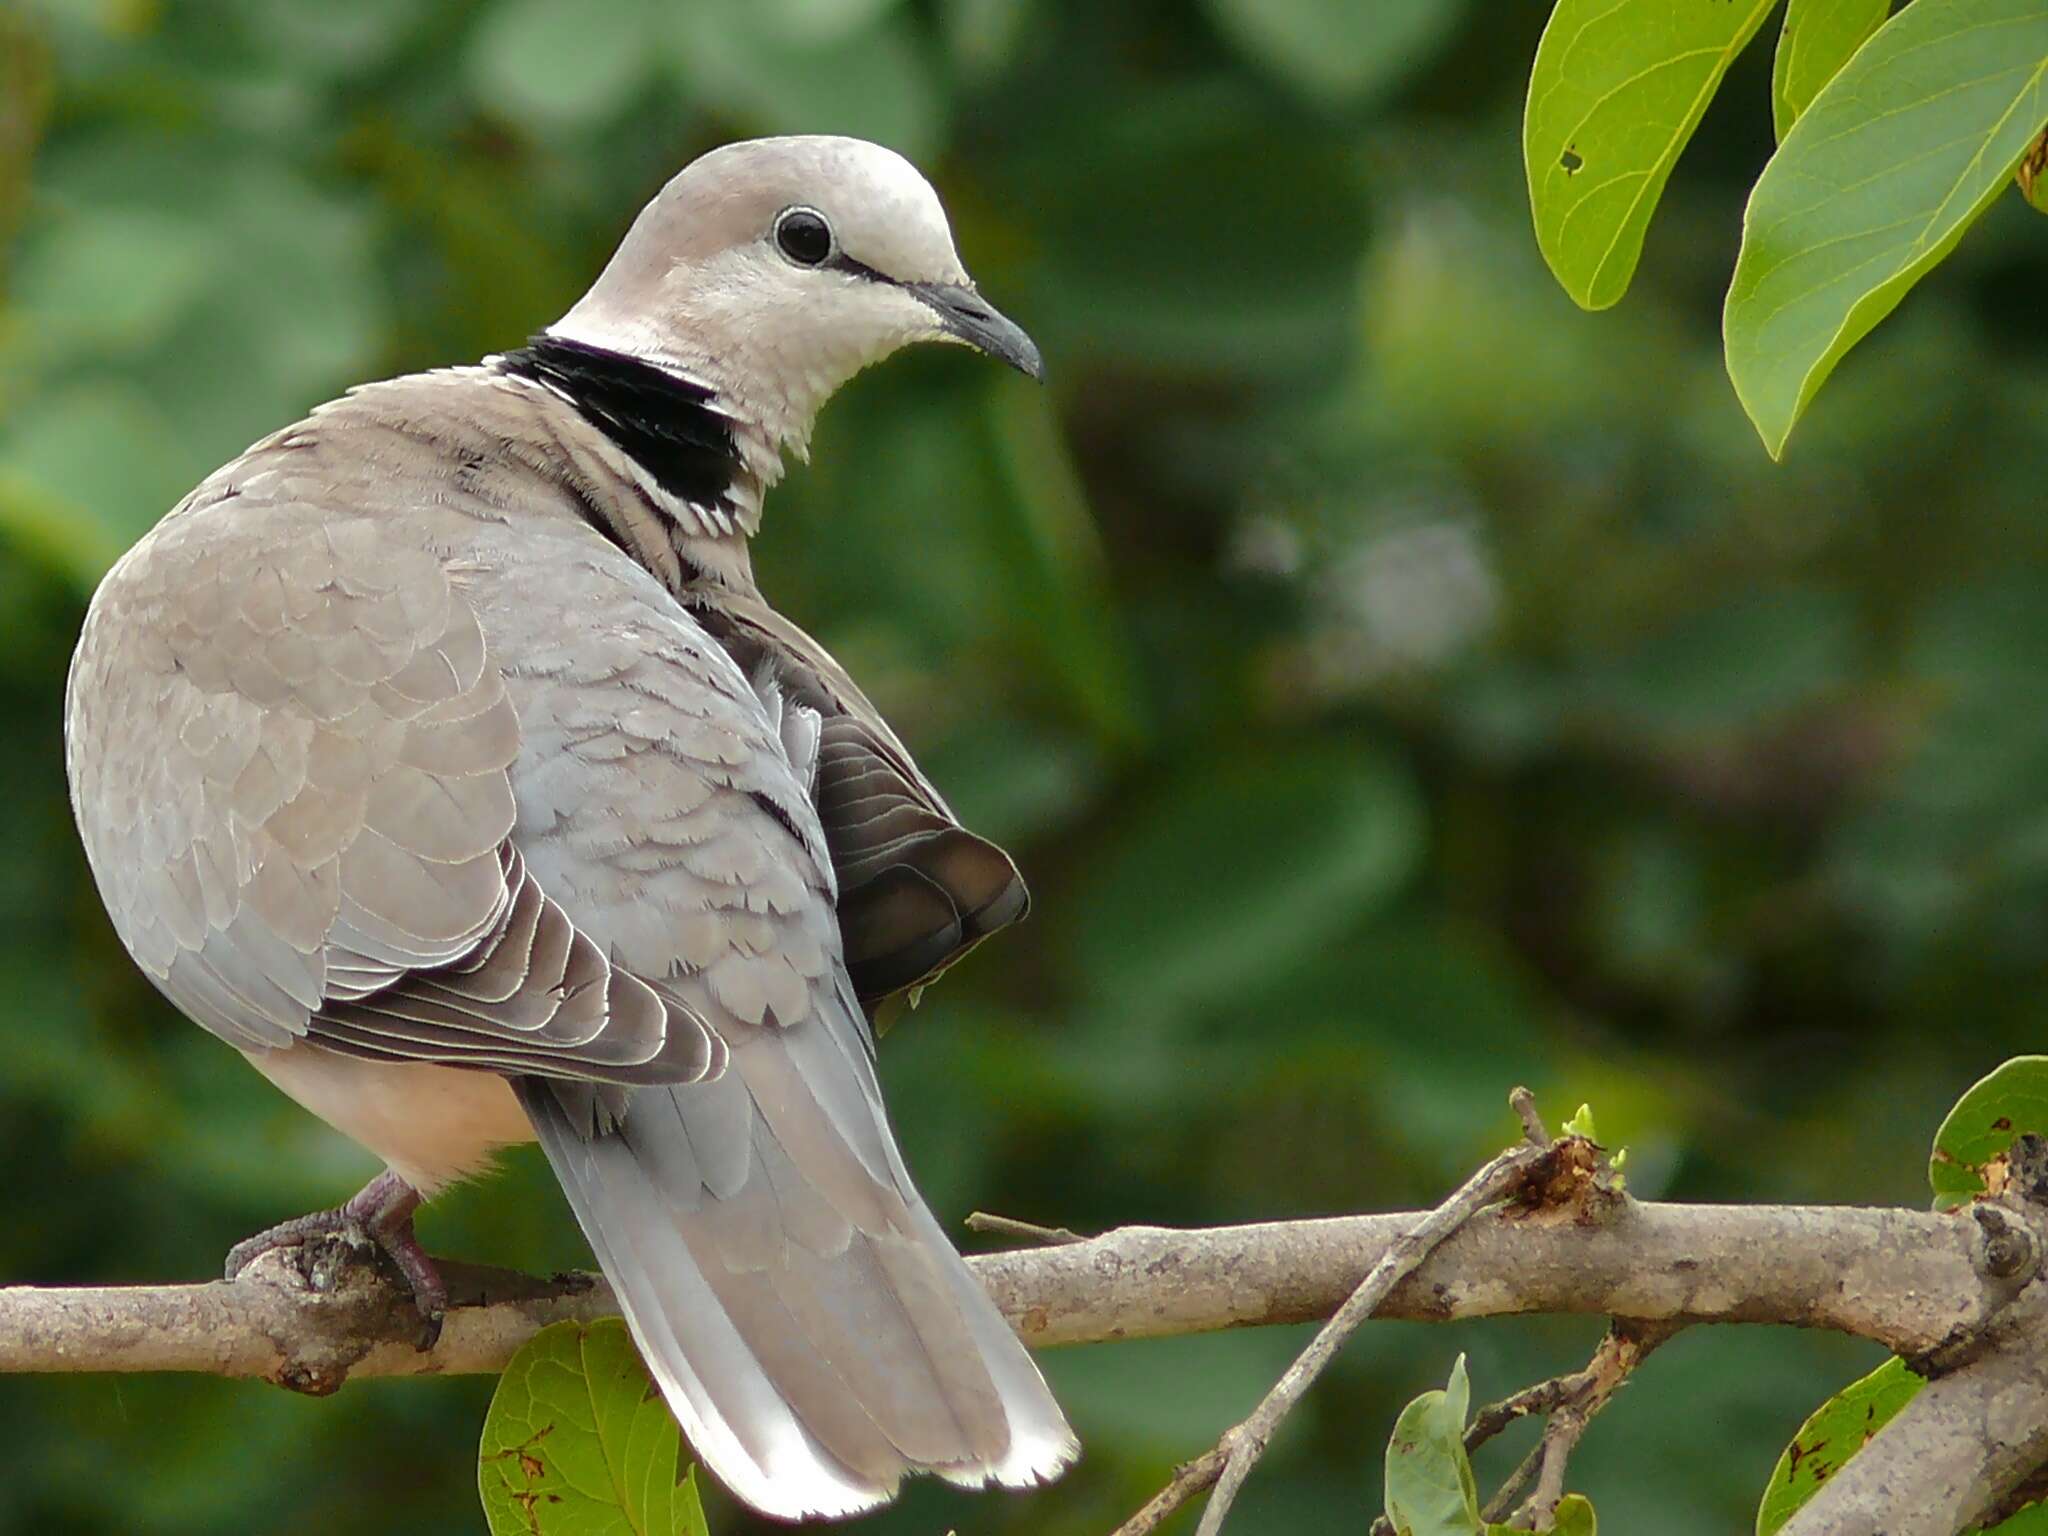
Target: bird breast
<point>433,1125</point>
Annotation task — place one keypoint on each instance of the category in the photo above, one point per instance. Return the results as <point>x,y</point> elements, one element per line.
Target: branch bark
<point>1903,1278</point>
<point>1940,1289</point>
<point>1955,1455</point>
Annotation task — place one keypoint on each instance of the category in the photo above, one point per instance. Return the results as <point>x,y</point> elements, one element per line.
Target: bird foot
<point>378,1217</point>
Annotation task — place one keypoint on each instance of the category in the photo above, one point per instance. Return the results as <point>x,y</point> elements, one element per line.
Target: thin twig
<point>1541,1398</point>
<point>1511,1491</point>
<point>1030,1231</point>
<point>1571,1401</point>
<point>1544,1397</point>
<point>1523,1103</point>
<point>1189,1479</point>
<point>1626,1345</point>
<point>1554,1454</point>
<point>1242,1446</point>
<point>1495,1417</point>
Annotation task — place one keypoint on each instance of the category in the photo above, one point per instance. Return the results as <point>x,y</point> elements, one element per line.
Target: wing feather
<point>291,758</point>
<point>915,889</point>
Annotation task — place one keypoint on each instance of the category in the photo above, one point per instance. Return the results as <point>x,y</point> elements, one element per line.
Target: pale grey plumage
<point>441,756</point>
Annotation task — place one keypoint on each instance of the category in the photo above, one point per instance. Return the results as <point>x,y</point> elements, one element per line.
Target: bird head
<point>774,270</point>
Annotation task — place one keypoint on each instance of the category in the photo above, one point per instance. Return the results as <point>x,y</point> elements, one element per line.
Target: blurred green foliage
<point>1395,683</point>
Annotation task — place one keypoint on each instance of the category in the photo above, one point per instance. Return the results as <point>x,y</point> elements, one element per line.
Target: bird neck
<point>702,466</point>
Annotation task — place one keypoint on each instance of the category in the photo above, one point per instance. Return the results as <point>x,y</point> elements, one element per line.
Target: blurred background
<point>1395,684</point>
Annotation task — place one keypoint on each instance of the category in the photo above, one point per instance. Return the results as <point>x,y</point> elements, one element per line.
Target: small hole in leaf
<point>1570,161</point>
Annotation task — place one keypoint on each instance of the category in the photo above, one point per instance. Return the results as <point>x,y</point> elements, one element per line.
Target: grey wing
<point>290,754</point>
<point>808,1321</point>
<point>917,890</point>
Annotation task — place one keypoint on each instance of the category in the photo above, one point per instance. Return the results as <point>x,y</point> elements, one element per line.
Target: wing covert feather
<point>291,761</point>
<point>915,889</point>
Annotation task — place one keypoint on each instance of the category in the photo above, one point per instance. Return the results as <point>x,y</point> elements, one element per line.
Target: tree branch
<point>1574,1398</point>
<point>1903,1278</point>
<point>1952,1454</point>
<point>1571,1403</point>
<point>1955,1456</point>
<point>1954,1293</point>
<point>1242,1446</point>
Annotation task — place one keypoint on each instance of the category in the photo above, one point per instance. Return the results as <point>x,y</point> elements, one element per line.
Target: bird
<point>442,755</point>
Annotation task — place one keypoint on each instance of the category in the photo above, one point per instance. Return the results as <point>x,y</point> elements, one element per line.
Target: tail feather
<point>811,1327</point>
<point>734,1418</point>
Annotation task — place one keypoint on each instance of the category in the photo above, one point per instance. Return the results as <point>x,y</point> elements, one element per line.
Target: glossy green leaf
<point>1837,1430</point>
<point>1430,1491</point>
<point>1874,185</point>
<point>1816,41</point>
<point>2009,1103</point>
<point>1573,1517</point>
<point>578,1442</point>
<point>1616,91</point>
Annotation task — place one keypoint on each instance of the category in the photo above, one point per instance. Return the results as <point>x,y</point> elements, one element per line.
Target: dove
<point>442,756</point>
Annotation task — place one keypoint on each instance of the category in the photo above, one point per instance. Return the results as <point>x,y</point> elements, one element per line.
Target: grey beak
<point>965,314</point>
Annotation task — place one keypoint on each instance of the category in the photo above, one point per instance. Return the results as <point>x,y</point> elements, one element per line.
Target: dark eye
<point>803,236</point>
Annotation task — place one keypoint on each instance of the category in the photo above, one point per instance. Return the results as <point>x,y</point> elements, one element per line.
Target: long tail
<point>815,1334</point>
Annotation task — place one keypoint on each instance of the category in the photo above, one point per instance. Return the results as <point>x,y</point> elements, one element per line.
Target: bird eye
<point>803,236</point>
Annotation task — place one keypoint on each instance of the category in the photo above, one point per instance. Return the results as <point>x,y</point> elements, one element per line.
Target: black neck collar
<point>664,423</point>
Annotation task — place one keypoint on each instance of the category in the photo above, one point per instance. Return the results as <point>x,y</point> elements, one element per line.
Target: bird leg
<point>379,1215</point>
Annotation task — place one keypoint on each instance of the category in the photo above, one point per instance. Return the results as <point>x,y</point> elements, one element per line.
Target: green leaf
<point>1982,1127</point>
<point>1879,179</point>
<point>1581,1124</point>
<point>1337,53</point>
<point>2032,175</point>
<point>1816,41</point>
<point>1616,91</point>
<point>1430,1491</point>
<point>578,1442</point>
<point>1574,1517</point>
<point>1838,1429</point>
